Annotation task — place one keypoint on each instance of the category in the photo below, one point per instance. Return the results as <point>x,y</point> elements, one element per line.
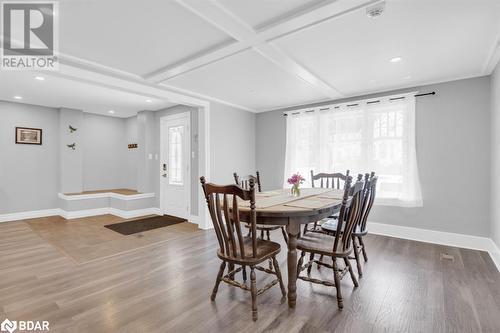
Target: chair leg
<point>244,272</point>
<point>356,255</point>
<point>217,282</point>
<point>270,264</point>
<point>301,262</point>
<point>268,235</point>
<point>253,290</point>
<point>285,235</point>
<point>311,258</point>
<point>305,229</point>
<point>320,259</point>
<point>336,277</point>
<point>363,248</point>
<point>351,272</point>
<point>278,274</point>
<point>249,232</point>
<point>262,234</point>
<point>230,268</point>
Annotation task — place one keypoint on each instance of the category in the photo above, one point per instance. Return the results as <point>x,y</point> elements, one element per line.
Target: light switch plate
<point>150,156</point>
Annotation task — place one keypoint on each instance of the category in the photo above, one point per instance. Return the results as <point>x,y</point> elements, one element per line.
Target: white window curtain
<point>362,136</point>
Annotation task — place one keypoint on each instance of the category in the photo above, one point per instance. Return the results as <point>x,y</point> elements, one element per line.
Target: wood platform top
<point>122,191</point>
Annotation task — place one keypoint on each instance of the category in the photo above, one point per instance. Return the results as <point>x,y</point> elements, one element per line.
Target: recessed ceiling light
<point>18,97</point>
<point>39,78</point>
<point>396,59</point>
<point>149,101</point>
<point>111,111</point>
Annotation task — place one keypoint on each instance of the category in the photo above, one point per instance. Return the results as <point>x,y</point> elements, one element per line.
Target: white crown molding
<point>393,90</point>
<point>438,237</point>
<point>105,195</point>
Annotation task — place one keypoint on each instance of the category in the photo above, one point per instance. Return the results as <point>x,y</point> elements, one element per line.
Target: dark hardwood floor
<point>165,287</point>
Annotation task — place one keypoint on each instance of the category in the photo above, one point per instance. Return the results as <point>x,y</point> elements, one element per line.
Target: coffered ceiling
<point>261,55</point>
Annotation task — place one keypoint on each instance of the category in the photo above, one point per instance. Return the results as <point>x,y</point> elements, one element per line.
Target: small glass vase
<point>295,190</point>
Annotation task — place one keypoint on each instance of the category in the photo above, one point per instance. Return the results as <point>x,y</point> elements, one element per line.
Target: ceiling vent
<point>376,10</point>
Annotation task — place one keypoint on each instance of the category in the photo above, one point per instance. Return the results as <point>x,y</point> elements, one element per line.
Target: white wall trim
<point>438,237</point>
<point>29,215</point>
<point>105,195</point>
<point>126,214</point>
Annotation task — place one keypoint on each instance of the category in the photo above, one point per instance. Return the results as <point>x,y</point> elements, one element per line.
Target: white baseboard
<point>438,237</point>
<point>29,215</point>
<point>126,214</point>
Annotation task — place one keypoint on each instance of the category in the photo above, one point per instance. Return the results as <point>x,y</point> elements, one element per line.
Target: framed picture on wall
<point>28,136</point>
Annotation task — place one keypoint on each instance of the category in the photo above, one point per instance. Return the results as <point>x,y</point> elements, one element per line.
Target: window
<point>363,136</point>
<point>175,135</point>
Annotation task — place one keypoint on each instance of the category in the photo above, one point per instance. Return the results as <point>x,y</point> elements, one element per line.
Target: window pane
<point>360,137</point>
<point>175,135</point>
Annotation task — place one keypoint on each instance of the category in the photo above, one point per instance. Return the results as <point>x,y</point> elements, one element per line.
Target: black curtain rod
<point>370,102</point>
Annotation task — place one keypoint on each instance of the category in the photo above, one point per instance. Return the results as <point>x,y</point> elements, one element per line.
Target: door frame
<point>163,142</point>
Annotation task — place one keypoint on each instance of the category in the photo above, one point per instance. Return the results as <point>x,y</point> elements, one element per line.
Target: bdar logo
<point>8,326</point>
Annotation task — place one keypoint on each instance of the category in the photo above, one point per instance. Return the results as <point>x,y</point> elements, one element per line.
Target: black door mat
<point>145,224</point>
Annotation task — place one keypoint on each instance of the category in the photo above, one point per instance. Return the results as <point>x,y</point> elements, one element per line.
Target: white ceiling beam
<point>214,13</point>
<point>195,62</point>
<point>314,16</point>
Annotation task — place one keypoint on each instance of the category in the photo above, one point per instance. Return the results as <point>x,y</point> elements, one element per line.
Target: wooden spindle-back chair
<point>335,247</point>
<point>334,181</point>
<point>234,249</point>
<point>360,230</point>
<point>243,182</point>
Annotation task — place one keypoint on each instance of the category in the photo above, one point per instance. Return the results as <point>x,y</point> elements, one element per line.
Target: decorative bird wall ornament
<point>72,129</point>
<point>72,146</point>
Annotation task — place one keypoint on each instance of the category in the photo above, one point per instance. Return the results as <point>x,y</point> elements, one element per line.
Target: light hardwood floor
<point>165,287</point>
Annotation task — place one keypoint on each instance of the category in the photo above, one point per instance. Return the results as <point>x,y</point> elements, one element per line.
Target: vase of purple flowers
<point>295,180</point>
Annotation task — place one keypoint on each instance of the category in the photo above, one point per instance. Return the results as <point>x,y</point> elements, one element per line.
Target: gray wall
<point>453,152</point>
<point>29,174</point>
<point>131,155</point>
<point>232,142</point>
<point>495,155</point>
<point>70,162</point>
<point>104,151</point>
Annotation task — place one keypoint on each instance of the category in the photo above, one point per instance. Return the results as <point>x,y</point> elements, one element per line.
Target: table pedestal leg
<point>293,231</point>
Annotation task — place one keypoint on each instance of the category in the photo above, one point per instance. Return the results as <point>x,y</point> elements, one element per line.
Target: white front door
<point>175,169</point>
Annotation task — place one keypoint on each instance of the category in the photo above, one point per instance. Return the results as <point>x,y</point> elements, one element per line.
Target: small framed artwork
<point>28,136</point>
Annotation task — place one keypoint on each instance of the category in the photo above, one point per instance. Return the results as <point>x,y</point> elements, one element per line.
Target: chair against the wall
<point>336,247</point>
<point>234,249</point>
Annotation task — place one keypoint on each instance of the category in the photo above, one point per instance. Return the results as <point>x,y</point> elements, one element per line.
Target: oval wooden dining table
<point>279,207</point>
